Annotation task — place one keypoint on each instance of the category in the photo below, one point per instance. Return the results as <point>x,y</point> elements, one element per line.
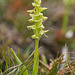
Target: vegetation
<point>12,62</point>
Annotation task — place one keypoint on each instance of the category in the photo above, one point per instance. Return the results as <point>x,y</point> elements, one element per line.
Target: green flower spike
<point>37,19</point>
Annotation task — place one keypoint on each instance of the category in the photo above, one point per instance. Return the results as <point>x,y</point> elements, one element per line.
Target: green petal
<point>31,27</point>
<point>31,15</point>
<point>45,17</point>
<point>34,36</point>
<point>40,26</point>
<point>30,11</point>
<point>34,4</point>
<point>43,32</point>
<point>42,9</point>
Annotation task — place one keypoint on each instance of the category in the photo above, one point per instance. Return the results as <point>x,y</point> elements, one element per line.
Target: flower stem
<point>36,61</point>
<point>66,17</point>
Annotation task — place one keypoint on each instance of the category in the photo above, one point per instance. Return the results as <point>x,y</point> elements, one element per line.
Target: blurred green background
<point>14,33</point>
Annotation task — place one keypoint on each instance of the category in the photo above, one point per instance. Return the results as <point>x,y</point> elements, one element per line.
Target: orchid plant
<point>37,19</point>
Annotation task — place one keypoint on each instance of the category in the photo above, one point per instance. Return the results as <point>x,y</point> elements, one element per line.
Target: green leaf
<point>43,57</point>
<point>15,57</point>
<point>18,61</point>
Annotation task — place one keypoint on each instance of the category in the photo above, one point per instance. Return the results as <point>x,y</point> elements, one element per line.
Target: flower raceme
<point>37,19</point>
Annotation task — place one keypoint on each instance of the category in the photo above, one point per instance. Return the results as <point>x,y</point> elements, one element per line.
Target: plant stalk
<point>36,61</point>
<point>66,17</point>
